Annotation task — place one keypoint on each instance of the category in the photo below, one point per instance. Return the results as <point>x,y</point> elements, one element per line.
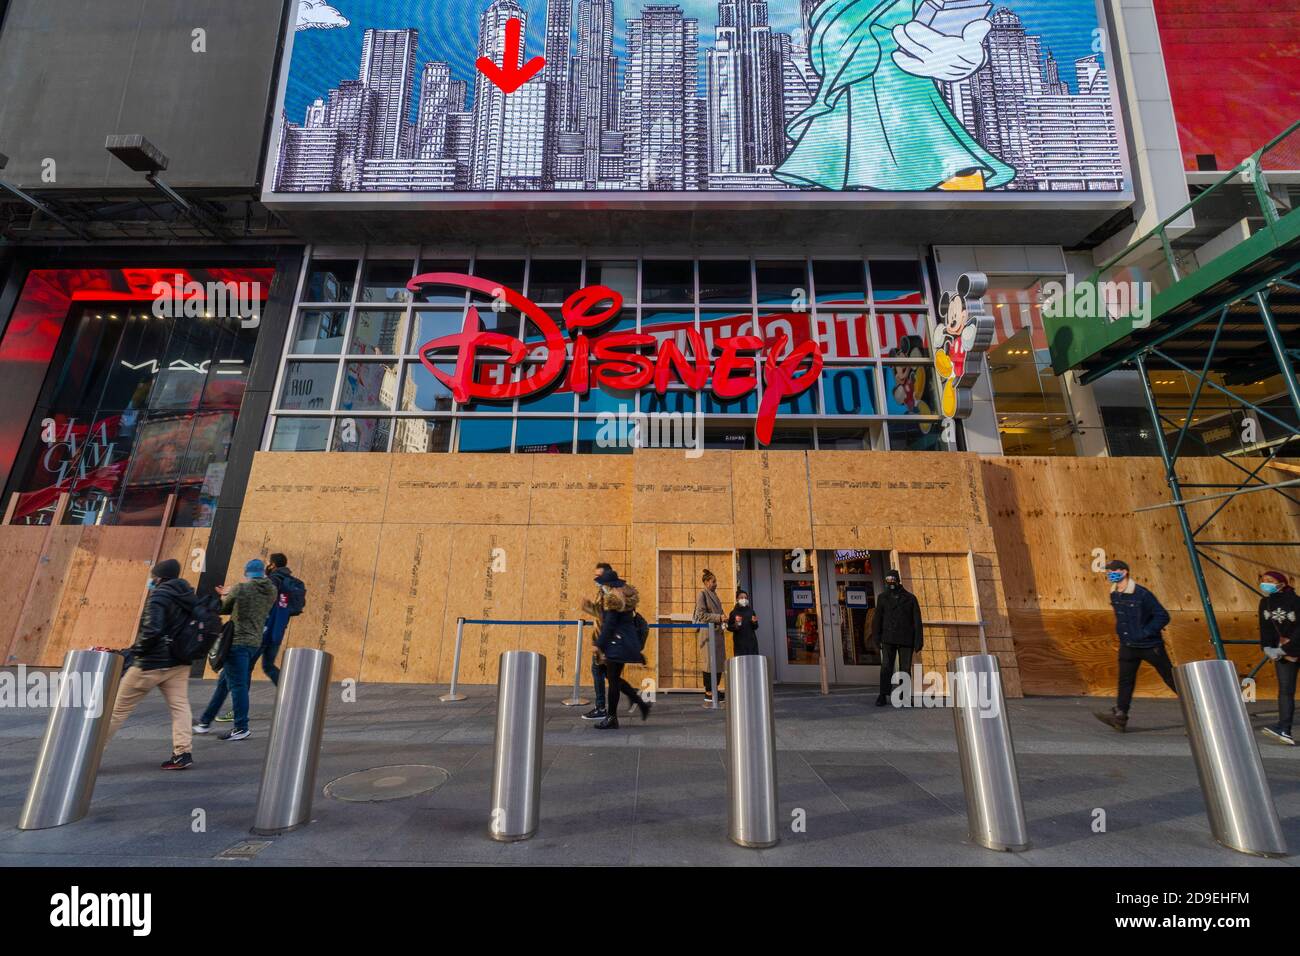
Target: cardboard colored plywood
<point>322,486</point>
<point>459,489</point>
<point>407,625</point>
<point>868,536</point>
<point>683,657</point>
<point>46,628</point>
<point>770,490</point>
<point>670,488</point>
<point>486,582</point>
<point>114,592</point>
<point>20,555</point>
<point>581,489</point>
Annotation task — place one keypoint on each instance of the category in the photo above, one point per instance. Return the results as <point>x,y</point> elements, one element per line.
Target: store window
<point>353,356</point>
<point>143,392</point>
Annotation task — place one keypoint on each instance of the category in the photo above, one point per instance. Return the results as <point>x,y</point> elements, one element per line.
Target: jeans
<point>267,652</point>
<point>1130,659</point>
<point>1286,680</point>
<point>598,680</point>
<point>234,680</point>
<point>888,653</point>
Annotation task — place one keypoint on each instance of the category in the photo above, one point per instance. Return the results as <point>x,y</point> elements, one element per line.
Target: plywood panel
<point>670,488</point>
<point>771,504</point>
<point>478,588</point>
<point>568,490</point>
<point>322,486</point>
<point>407,625</point>
<point>115,589</point>
<point>867,536</point>
<point>681,659</point>
<point>20,552</point>
<point>459,489</point>
<point>937,487</point>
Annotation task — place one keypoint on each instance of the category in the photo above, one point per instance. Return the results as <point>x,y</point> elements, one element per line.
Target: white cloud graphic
<point>319,15</point>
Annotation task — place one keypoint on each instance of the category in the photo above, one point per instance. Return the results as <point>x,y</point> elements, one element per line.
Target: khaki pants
<point>174,682</point>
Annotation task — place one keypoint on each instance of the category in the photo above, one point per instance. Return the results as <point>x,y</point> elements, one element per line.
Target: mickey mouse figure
<point>965,329</point>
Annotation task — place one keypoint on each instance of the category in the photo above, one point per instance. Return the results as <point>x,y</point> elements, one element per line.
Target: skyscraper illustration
<point>388,68</point>
<point>593,100</point>
<point>559,18</point>
<point>746,115</point>
<point>509,130</point>
<point>660,110</point>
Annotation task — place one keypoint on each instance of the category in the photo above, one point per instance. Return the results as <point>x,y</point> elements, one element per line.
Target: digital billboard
<point>768,98</point>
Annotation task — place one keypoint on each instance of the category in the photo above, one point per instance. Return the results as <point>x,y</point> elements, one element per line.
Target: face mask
<point>743,602</point>
<point>604,589</point>
<point>152,583</point>
<point>892,584</point>
<point>1114,577</point>
<point>1268,587</point>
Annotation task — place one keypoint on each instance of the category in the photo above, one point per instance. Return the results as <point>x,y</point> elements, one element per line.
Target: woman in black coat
<point>1279,635</point>
<point>620,645</point>
<point>742,622</point>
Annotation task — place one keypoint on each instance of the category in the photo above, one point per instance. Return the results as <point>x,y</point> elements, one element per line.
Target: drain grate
<point>243,850</point>
<point>387,783</point>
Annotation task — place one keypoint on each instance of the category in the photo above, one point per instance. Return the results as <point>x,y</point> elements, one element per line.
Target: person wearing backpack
<point>291,598</point>
<point>248,603</point>
<point>151,662</point>
<point>619,643</point>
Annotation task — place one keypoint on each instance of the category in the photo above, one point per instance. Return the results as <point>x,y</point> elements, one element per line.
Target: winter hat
<point>166,570</point>
<point>1277,576</point>
<point>610,578</point>
<point>891,573</point>
<point>1116,565</point>
<point>255,569</point>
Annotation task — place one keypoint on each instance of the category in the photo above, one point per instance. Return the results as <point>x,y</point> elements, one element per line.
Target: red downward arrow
<point>507,76</point>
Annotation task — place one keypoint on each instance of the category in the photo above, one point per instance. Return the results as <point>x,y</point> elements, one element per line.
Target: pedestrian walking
<point>1140,621</point>
<point>248,604</point>
<point>620,644</point>
<point>1279,634</point>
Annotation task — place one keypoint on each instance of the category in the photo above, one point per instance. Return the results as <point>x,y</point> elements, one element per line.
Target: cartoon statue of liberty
<point>879,121</point>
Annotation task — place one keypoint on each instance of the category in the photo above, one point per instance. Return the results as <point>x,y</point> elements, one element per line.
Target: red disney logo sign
<point>612,360</point>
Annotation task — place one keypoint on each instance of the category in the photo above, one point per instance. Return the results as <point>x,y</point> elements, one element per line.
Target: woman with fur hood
<point>619,644</point>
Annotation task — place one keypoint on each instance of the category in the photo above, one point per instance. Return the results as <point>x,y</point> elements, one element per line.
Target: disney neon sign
<point>612,360</point>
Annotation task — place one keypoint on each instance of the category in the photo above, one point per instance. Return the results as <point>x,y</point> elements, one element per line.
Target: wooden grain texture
<point>20,550</point>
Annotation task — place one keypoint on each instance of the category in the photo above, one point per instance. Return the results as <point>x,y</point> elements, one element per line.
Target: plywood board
<point>459,489</point>
<point>770,499</point>
<point>937,488</point>
<point>320,486</point>
<point>486,582</point>
<point>670,488</point>
<point>20,554</point>
<point>580,489</point>
<point>407,627</point>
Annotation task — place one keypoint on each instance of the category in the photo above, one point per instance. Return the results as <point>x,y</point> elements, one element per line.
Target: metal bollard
<point>577,700</point>
<point>517,751</point>
<point>68,762</point>
<point>751,753</point>
<point>289,771</point>
<point>451,694</point>
<point>1237,798</point>
<point>994,812</point>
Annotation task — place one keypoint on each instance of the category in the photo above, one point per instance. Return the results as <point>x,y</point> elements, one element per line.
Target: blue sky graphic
<point>449,32</point>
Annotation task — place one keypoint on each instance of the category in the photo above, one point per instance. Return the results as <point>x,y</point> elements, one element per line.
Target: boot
<point>1113,718</point>
<point>609,723</point>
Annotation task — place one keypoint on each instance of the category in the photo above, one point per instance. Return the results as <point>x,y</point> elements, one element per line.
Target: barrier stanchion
<point>451,694</point>
<point>517,749</point>
<point>68,762</point>
<point>289,770</point>
<point>751,753</point>
<point>714,676</point>
<point>1237,798</point>
<point>576,699</point>
<point>994,812</point>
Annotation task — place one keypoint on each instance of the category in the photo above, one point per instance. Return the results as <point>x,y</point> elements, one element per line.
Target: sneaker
<point>201,728</point>
<point>609,723</point>
<point>1281,736</point>
<point>236,735</point>
<point>179,762</point>
<point>643,706</point>
<point>596,713</point>
<point>227,717</point>
<point>1113,718</point>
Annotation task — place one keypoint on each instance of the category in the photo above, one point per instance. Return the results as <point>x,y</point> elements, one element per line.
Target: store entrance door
<point>785,595</point>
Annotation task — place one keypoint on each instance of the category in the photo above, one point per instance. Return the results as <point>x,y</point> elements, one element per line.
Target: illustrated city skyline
<point>668,114</point>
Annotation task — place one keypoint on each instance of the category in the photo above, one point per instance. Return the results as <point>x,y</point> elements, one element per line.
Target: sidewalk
<point>879,787</point>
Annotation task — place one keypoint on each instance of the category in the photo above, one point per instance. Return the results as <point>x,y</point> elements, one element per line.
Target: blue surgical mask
<point>1114,577</point>
<point>1269,587</point>
<point>152,582</point>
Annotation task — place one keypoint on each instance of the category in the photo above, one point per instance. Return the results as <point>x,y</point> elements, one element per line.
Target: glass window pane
<point>491,373</point>
<point>506,272</point>
<point>719,325</point>
<point>319,333</point>
<point>443,293</point>
<point>300,434</point>
<point>368,386</point>
<point>421,390</point>
<point>553,280</point>
<point>89,362</point>
<point>745,405</point>
<point>377,333</point>
<point>184,368</point>
<point>422,434</point>
<point>361,434</point>
<point>157,459</point>
<point>896,282</point>
<point>544,436</point>
<point>843,439</point>
<point>674,400</point>
<point>436,324</point>
<point>845,333</point>
<point>141,507</point>
<point>791,439</point>
<point>915,436</point>
<point>725,280</point>
<point>608,400</point>
<point>483,435</point>
<point>608,436</point>
<point>228,374</point>
<point>841,281</point>
<point>796,326</point>
<point>668,280</point>
<point>140,357</point>
<point>308,385</point>
<point>909,390</point>
<point>330,280</point>
<point>805,403</point>
<point>782,283</point>
<point>619,275</point>
<point>556,400</point>
<point>736,437</point>
<point>385,281</point>
<point>904,334</point>
<point>849,391</point>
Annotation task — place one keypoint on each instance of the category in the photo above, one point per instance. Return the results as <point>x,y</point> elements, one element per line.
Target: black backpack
<point>294,593</point>
<point>642,628</point>
<point>193,635</point>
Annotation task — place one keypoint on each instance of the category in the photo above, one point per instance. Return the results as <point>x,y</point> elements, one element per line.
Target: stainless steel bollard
<point>1237,798</point>
<point>289,771</point>
<point>517,751</point>
<point>452,694</point>
<point>751,753</point>
<point>994,812</point>
<point>68,762</point>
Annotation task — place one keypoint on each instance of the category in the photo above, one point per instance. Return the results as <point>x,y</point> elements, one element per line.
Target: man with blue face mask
<point>1279,635</point>
<point>1140,621</point>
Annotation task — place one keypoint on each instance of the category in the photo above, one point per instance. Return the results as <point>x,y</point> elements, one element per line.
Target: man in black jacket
<point>896,627</point>
<point>1140,621</point>
<point>170,602</point>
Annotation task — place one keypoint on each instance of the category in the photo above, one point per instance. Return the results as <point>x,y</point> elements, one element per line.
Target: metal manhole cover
<point>387,783</point>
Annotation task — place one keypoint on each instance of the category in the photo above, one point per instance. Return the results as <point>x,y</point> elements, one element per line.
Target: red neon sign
<point>613,360</point>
